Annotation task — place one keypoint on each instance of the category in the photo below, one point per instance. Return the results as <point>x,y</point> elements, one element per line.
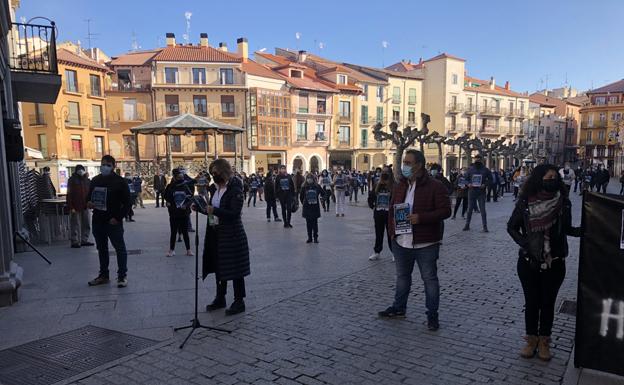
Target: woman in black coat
<point>540,224</point>
<point>226,252</point>
<point>310,195</point>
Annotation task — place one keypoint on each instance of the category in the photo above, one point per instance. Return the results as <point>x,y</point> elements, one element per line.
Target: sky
<point>530,43</point>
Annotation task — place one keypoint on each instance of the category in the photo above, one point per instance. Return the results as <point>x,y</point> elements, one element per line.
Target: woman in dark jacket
<point>310,195</point>
<point>176,194</point>
<point>226,252</point>
<point>379,201</point>
<point>540,224</point>
<point>461,193</point>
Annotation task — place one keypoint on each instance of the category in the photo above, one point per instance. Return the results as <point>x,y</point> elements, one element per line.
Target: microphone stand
<point>195,324</point>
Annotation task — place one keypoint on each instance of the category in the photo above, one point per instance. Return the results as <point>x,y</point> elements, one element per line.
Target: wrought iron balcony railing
<point>33,48</point>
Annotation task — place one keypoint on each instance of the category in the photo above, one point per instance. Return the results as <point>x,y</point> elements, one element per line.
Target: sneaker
<point>189,253</point>
<point>342,215</point>
<point>170,253</point>
<point>453,217</point>
<point>217,303</point>
<point>316,240</point>
<point>87,244</point>
<point>100,280</point>
<point>466,228</point>
<point>238,306</point>
<point>277,220</point>
<point>131,220</point>
<point>391,312</point>
<point>122,282</point>
<point>309,240</point>
<point>433,323</point>
<point>268,219</point>
<point>374,257</point>
<point>485,230</point>
<point>75,245</point>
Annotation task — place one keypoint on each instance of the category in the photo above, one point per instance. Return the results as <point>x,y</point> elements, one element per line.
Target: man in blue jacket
<point>478,177</point>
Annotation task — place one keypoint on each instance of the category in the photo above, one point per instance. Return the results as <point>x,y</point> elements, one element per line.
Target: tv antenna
<point>90,35</point>
<point>187,35</point>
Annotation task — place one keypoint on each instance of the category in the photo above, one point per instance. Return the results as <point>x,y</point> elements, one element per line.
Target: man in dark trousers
<point>160,183</point>
<point>109,198</point>
<point>269,196</point>
<point>478,178</point>
<point>77,196</point>
<point>285,192</point>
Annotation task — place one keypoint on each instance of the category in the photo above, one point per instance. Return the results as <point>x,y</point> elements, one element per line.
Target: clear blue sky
<point>524,42</point>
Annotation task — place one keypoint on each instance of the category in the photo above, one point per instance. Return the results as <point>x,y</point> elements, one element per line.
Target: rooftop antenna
<point>187,16</point>
<point>135,44</point>
<point>90,35</point>
<point>384,45</point>
<point>298,37</point>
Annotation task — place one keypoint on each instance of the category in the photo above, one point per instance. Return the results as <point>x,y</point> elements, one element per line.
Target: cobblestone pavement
<point>322,328</point>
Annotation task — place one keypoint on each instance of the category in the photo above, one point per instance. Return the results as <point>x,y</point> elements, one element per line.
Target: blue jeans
<point>426,258</point>
<point>476,197</point>
<point>102,232</point>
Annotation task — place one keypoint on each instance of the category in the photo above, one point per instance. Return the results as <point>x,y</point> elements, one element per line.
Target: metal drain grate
<point>57,358</point>
<point>568,307</point>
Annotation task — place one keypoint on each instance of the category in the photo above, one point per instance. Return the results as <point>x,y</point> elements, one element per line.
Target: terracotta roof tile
<point>484,86</point>
<point>253,68</point>
<point>187,53</point>
<point>63,55</point>
<point>134,58</point>
<point>613,87</point>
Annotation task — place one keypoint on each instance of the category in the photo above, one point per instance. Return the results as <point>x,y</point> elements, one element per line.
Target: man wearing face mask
<point>109,197</point>
<point>418,207</point>
<point>436,173</point>
<point>285,191</point>
<point>478,177</point>
<point>77,196</point>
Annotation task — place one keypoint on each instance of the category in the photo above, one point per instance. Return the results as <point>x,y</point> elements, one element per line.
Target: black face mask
<point>385,177</point>
<point>218,179</point>
<point>550,185</point>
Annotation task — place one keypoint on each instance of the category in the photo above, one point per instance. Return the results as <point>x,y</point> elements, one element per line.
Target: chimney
<point>507,85</point>
<point>78,48</point>
<point>420,60</point>
<point>243,48</point>
<point>223,47</point>
<point>170,39</point>
<point>303,55</point>
<point>203,39</point>
<point>492,83</point>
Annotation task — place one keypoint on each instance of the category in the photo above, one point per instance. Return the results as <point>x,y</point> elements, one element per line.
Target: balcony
<point>320,137</point>
<point>364,144</point>
<point>455,108</point>
<point>98,124</point>
<point>489,129</point>
<point>32,60</point>
<point>73,89</point>
<point>490,111</point>
<point>132,116</point>
<point>344,118</point>
<point>37,120</point>
<point>470,109</point>
<point>76,121</point>
<point>601,124</point>
<point>128,87</point>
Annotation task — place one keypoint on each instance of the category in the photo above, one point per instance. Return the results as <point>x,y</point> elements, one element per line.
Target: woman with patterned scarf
<point>540,224</point>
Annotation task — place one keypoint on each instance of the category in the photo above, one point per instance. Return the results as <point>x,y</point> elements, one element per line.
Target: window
<point>342,79</point>
<point>454,101</point>
<point>589,136</point>
<point>175,141</point>
<point>469,103</point>
<point>303,103</point>
<point>511,107</point>
<point>601,135</point>
<point>96,116</point>
<point>590,120</point>
<point>321,104</point>
<point>600,100</point>
<point>344,135</point>
<point>76,147</point>
<point>201,143</point>
<point>172,104</point>
<point>364,115</point>
<point>510,125</point>
<point>364,95</point>
<point>412,96</point>
<point>364,138</point>
<point>199,76</point>
<point>200,105</point>
<point>129,109</point>
<point>96,88</point>
<point>320,131</point>
<point>411,115</point>
<point>42,139</point>
<point>603,117</point>
<point>454,78</point>
<point>396,114</point>
<point>39,117</point>
<point>468,124</point>
<point>73,117</point>
<point>226,75</point>
<point>380,115</point>
<point>229,143</point>
<point>296,74</point>
<point>453,123</point>
<point>541,129</point>
<point>380,93</point>
<point>128,146</point>
<point>345,109</point>
<point>302,130</point>
<point>396,95</point>
<point>71,81</point>
<point>98,145</point>
<point>227,106</point>
<point>616,116</point>
<point>171,75</point>
<point>123,79</point>
<point>613,99</point>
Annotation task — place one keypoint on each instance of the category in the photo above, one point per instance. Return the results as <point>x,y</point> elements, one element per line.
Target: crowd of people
<point>409,207</point>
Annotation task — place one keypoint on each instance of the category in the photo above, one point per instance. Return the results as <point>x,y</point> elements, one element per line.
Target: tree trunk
<point>396,164</point>
<point>440,154</point>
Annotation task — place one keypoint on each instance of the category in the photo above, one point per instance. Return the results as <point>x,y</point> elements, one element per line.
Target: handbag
<point>294,206</point>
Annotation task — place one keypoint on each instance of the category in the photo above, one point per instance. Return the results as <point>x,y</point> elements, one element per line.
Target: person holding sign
<point>461,193</point>
<point>478,177</point>
<point>109,198</point>
<point>285,191</point>
<point>379,201</point>
<point>540,225</point>
<point>310,196</point>
<point>176,194</point>
<point>418,207</point>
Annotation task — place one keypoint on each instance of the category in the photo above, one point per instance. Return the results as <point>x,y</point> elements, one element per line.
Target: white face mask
<point>106,169</point>
<point>434,172</point>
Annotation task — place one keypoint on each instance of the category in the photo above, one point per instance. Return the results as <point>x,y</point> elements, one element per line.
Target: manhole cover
<point>56,358</point>
<point>130,252</point>
<point>568,307</point>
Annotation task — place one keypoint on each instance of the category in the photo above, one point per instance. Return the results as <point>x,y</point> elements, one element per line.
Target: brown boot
<point>528,351</point>
<point>543,348</point>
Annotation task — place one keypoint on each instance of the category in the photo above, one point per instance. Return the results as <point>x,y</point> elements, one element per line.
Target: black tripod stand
<point>195,324</point>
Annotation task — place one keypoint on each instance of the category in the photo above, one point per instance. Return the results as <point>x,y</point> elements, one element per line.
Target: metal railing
<point>320,137</point>
<point>97,92</point>
<point>33,48</point>
<point>76,88</point>
<point>455,107</point>
<point>470,108</point>
<point>98,123</point>
<point>364,144</point>
<point>37,119</point>
<point>74,120</point>
<point>490,110</point>
<point>127,87</point>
